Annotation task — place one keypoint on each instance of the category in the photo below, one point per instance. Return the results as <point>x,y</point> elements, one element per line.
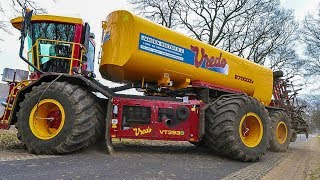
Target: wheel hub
<point>282,132</point>
<point>251,130</point>
<point>54,119</point>
<point>245,131</point>
<point>47,119</point>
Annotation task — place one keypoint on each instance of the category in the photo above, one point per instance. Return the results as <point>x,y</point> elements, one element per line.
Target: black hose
<point>152,87</point>
<point>45,92</point>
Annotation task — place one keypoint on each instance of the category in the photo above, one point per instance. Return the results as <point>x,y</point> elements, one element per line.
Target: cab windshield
<point>47,34</point>
<point>53,31</point>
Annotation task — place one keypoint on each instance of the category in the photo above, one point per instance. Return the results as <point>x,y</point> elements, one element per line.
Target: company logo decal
<point>189,56</point>
<point>139,131</point>
<point>218,64</point>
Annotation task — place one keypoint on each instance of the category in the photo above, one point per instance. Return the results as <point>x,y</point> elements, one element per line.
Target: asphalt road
<point>149,160</point>
<point>182,161</point>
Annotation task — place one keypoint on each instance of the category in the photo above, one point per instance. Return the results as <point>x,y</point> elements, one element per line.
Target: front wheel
<point>58,119</point>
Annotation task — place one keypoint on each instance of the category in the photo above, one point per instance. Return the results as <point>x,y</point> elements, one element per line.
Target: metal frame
<point>285,98</point>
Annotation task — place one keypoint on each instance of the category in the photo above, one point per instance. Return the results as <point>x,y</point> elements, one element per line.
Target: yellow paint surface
<point>123,61</point>
<point>16,22</point>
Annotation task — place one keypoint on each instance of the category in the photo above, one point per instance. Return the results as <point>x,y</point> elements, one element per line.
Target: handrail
<point>66,42</point>
<point>57,57</point>
<point>38,55</point>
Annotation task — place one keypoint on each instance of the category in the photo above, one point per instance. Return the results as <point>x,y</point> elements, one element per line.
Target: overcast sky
<point>94,12</point>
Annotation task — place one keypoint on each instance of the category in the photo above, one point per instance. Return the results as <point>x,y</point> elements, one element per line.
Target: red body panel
<point>186,130</point>
<point>77,39</point>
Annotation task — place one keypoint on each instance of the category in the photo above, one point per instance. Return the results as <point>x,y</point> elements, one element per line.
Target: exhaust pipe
<point>168,122</point>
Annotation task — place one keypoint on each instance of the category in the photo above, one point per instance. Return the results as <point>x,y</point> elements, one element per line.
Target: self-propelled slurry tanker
<point>192,91</point>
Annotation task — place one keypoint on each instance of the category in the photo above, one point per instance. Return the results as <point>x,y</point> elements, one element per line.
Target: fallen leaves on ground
<point>9,140</point>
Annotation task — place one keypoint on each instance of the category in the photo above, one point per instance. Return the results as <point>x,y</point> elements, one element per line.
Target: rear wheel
<point>237,127</point>
<point>280,131</point>
<point>63,119</point>
<point>293,137</point>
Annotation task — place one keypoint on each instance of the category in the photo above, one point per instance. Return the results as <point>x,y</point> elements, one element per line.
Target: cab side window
<point>90,56</point>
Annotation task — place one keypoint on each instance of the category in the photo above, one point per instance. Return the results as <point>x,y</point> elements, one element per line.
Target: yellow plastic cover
<point>16,22</point>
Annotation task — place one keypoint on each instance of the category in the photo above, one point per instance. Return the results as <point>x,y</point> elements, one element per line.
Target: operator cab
<point>59,44</point>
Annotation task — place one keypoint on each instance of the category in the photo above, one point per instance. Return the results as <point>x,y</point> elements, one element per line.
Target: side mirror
<point>26,21</point>
<point>28,16</point>
<point>14,75</point>
<point>92,36</point>
<point>24,27</point>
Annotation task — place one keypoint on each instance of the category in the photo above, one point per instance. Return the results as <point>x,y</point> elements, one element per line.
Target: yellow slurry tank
<point>135,49</point>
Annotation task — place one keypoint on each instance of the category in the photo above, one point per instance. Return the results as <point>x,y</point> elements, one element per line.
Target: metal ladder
<point>4,120</point>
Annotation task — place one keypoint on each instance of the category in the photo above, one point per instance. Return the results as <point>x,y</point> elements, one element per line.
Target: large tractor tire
<point>200,144</point>
<point>237,127</point>
<point>100,128</point>
<point>280,131</point>
<point>59,119</point>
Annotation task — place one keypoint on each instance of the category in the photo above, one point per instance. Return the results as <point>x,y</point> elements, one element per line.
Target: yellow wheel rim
<point>47,119</point>
<point>251,129</point>
<point>282,132</point>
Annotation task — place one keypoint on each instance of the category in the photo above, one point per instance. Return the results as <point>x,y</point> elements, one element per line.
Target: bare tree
<point>311,38</point>
<point>160,11</point>
<point>207,19</point>
<point>312,111</point>
<point>269,34</point>
<point>17,6</point>
<point>3,22</point>
<point>253,29</point>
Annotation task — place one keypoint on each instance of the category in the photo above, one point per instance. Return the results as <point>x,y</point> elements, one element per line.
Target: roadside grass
<point>9,140</point>
<point>315,173</point>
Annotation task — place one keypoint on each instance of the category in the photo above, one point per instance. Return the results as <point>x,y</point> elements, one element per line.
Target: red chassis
<point>155,119</point>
